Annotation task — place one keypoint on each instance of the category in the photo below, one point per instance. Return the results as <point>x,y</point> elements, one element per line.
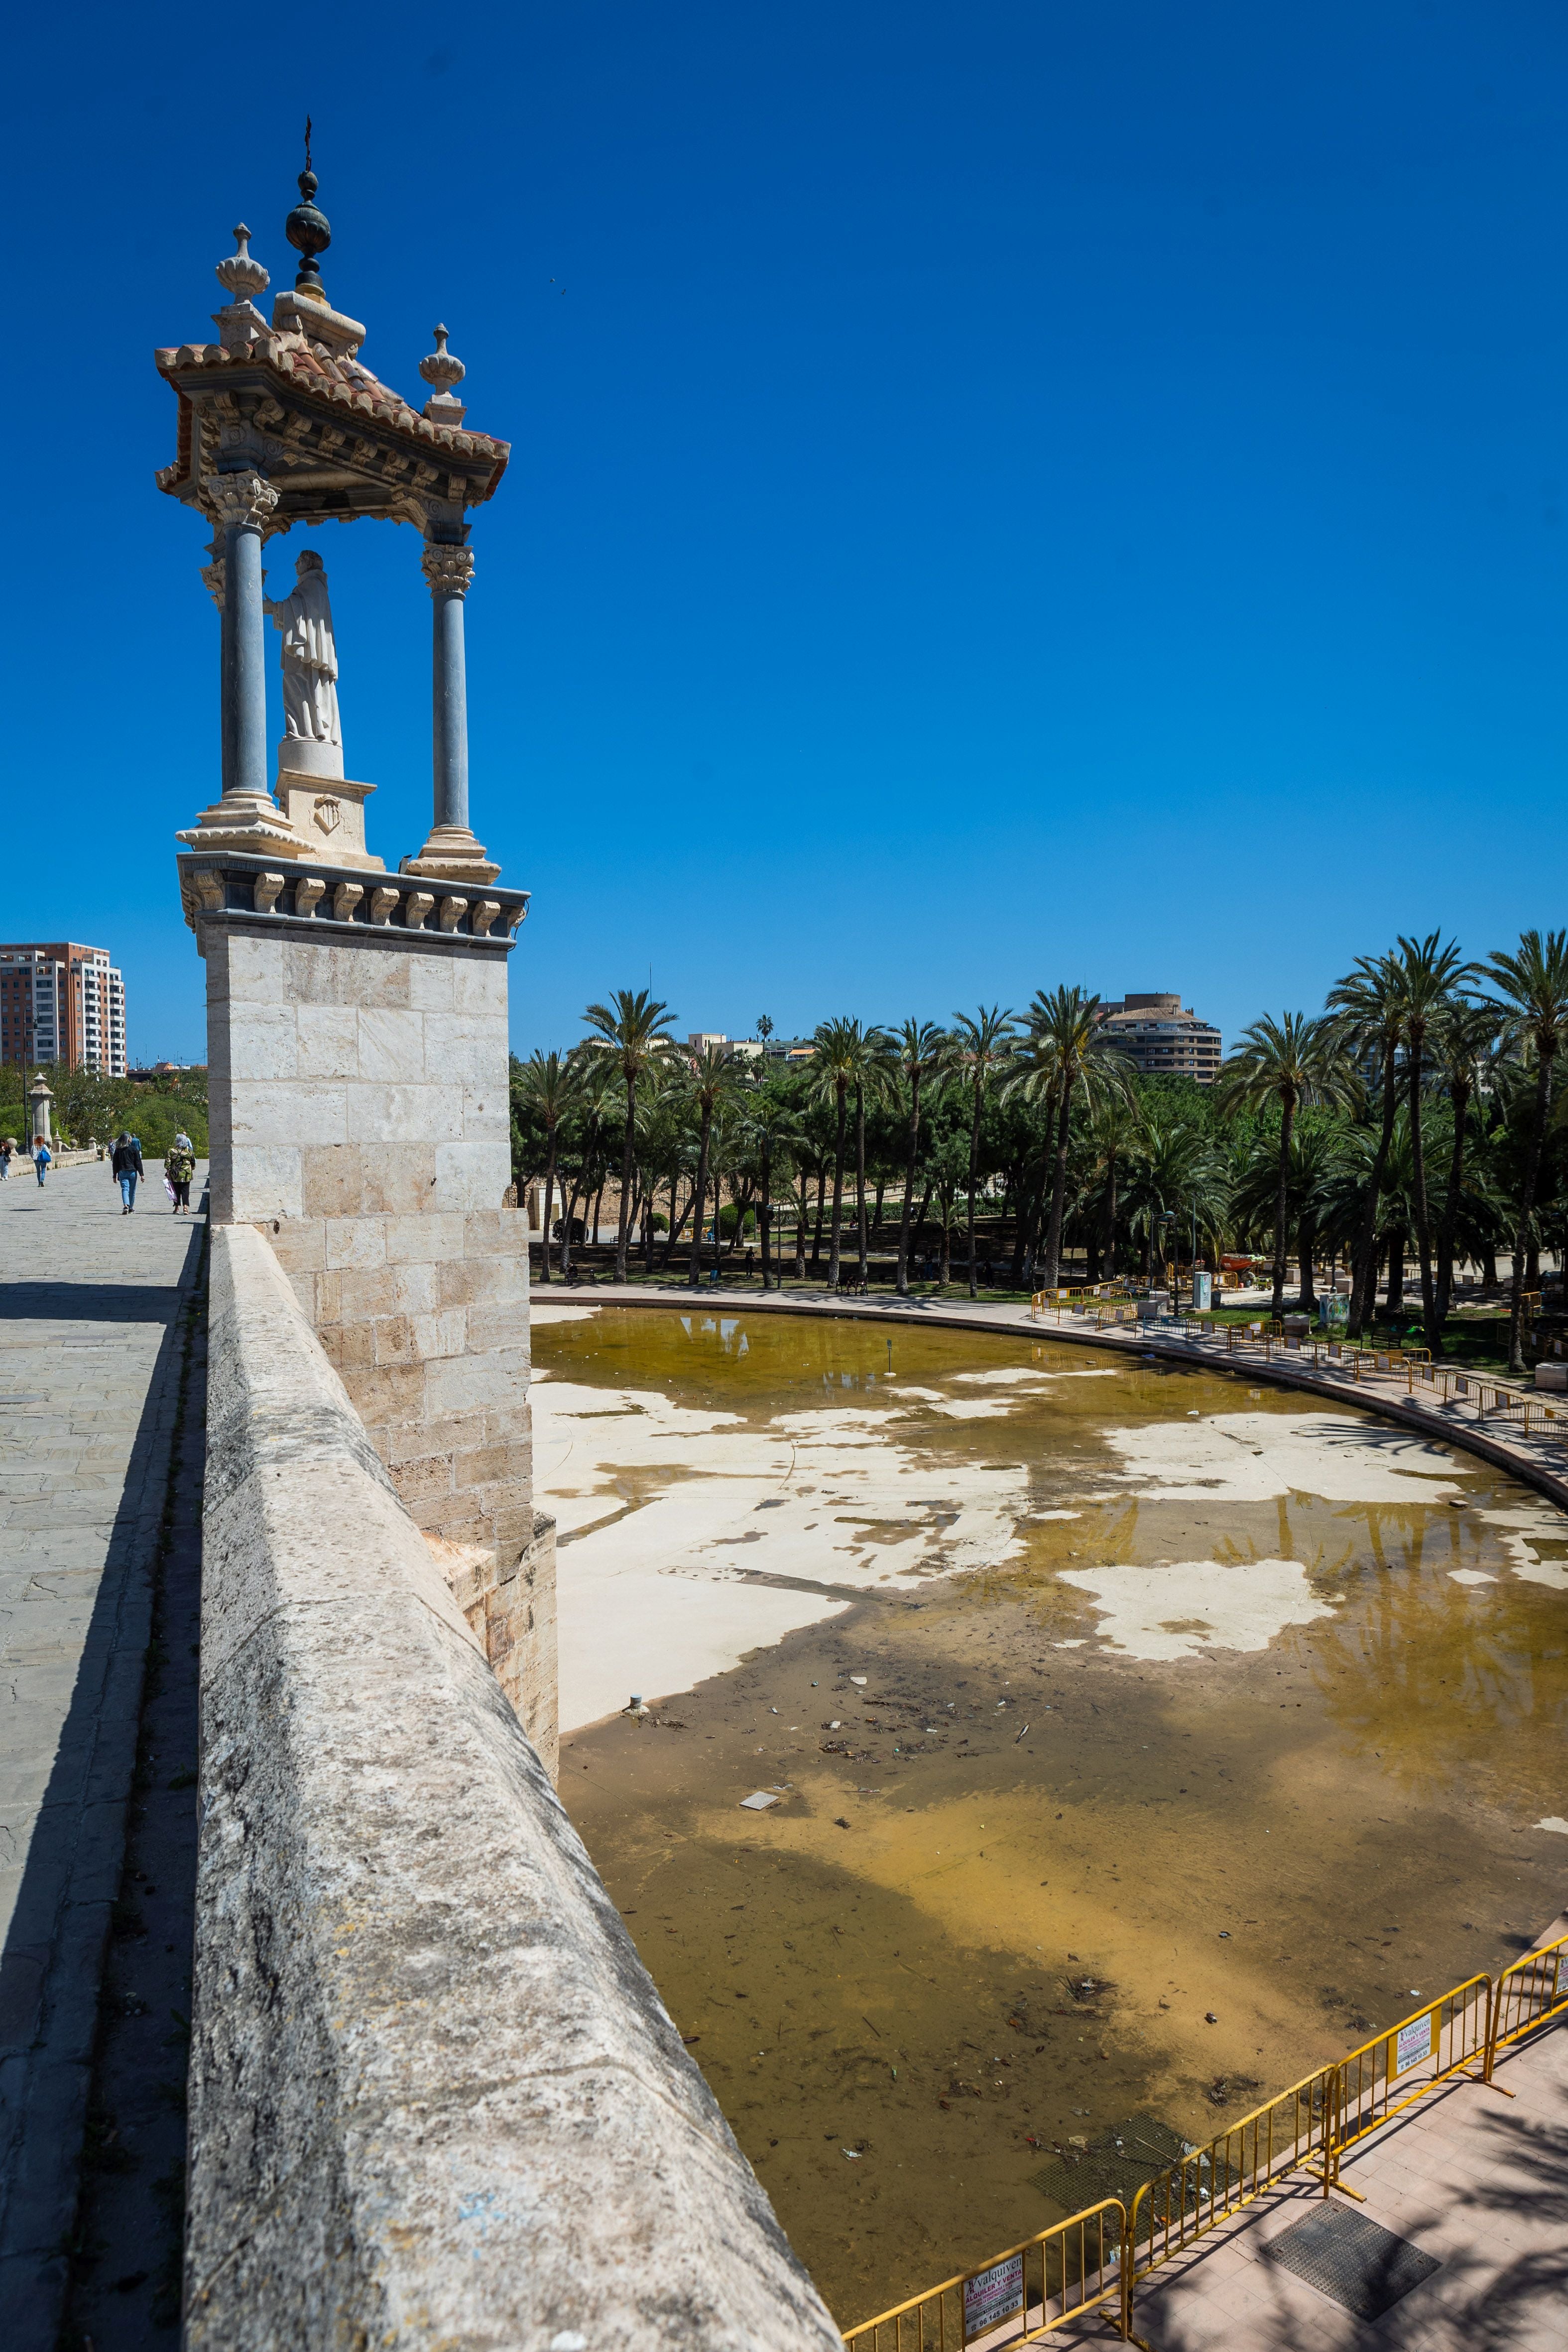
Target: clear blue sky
<point>1008,493</point>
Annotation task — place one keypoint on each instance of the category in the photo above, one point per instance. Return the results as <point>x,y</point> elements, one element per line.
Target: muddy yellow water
<point>1140,1739</point>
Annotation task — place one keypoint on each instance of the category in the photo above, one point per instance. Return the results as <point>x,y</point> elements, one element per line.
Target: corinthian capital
<point>448,569</point>
<point>240,501</point>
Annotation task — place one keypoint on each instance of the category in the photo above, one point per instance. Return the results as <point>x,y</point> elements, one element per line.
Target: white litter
<point>758,1802</point>
<point>859,1679</point>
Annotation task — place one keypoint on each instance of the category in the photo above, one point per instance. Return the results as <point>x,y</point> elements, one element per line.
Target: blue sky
<point>1007,494</point>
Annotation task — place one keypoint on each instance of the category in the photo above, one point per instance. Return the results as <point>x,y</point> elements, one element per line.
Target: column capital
<point>448,570</point>
<point>242,501</point>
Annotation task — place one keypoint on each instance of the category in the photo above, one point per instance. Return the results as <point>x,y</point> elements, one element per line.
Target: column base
<point>247,824</point>
<point>451,854</point>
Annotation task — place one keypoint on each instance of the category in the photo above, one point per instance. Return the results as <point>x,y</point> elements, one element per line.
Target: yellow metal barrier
<point>1075,2266</point>
<point>1451,2035</point>
<point>1528,1992</point>
<point>1100,2255</point>
<point>1179,2205</point>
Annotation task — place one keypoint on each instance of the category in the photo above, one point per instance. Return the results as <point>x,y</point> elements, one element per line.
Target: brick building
<point>61,1002</point>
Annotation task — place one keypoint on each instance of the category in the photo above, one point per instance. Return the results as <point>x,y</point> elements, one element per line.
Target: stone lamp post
<point>40,1101</point>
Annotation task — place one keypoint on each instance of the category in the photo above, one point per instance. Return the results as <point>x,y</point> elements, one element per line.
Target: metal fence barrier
<point>1528,1992</point>
<point>1096,2258</point>
<point>1076,2266</point>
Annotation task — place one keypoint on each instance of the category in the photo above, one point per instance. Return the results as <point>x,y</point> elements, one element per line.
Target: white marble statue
<point>309,655</point>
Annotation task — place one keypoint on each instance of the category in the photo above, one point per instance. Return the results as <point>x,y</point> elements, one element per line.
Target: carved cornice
<point>243,501</point>
<point>448,570</point>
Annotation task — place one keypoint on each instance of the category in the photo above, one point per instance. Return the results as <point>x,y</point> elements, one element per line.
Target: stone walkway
<point>89,1367</point>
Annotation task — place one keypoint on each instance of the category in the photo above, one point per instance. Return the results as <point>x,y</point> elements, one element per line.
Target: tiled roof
<point>307,367</point>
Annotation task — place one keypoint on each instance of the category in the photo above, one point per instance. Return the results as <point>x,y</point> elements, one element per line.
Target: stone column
<point>450,569</point>
<point>451,854</point>
<point>245,817</point>
<point>243,503</point>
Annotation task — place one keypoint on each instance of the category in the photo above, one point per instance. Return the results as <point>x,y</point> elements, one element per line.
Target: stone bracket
<point>250,889</point>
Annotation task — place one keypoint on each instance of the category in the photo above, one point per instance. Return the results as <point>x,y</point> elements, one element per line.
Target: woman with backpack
<point>179,1167</point>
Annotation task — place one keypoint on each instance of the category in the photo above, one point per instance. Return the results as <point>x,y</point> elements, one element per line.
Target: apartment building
<point>61,1002</point>
<point>1163,1039</point>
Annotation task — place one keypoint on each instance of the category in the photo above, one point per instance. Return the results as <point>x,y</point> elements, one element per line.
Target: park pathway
<point>91,1348</point>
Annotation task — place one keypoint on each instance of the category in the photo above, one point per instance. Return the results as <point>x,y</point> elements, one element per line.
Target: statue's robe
<point>309,661</point>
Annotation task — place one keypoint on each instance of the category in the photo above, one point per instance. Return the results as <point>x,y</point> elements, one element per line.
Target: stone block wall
<point>435,2098</point>
<point>360,1119</point>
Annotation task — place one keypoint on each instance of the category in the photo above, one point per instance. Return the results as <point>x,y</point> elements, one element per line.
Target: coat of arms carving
<point>329,814</point>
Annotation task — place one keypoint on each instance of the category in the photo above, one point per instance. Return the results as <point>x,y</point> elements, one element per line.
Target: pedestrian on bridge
<point>126,1167</point>
<point>179,1167</point>
<point>42,1158</point>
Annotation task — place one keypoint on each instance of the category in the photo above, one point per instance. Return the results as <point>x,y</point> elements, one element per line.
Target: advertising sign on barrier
<point>1414,2043</point>
<point>991,2296</point>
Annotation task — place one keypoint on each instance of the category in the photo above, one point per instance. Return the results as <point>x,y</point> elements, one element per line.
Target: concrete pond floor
<point>1098,1701</point>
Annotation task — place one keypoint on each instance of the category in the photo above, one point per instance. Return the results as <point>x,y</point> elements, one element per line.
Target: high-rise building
<point>61,1002</point>
<point>1163,1039</point>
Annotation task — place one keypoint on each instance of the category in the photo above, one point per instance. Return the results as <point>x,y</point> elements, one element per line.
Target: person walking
<point>179,1167</point>
<point>7,1145</point>
<point>43,1157</point>
<point>126,1167</point>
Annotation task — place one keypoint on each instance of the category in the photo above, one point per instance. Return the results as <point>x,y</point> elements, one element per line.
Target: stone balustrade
<point>435,2098</point>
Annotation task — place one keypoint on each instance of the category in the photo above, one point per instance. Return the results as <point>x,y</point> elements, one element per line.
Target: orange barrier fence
<point>1095,2259</point>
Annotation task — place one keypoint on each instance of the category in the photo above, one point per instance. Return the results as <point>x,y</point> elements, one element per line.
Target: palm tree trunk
<point>821,1214</point>
<point>1363,1285</point>
<point>1527,1212</point>
<point>1460,1097</point>
<point>694,1276</point>
<point>837,1233</point>
<point>802,1215</point>
<point>945,1270</point>
<point>903,1273</point>
<point>1423,1221</point>
<point>1058,1188</point>
<point>549,1192</point>
<point>1111,1219</point>
<point>1281,1202</point>
<point>766,1209</point>
<point>860,1173</point>
<point>623,1237</point>
<point>974,1171</point>
<point>566,1230</point>
<point>1306,1242</point>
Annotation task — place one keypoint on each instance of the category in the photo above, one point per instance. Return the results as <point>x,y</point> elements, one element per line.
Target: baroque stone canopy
<point>293,400</point>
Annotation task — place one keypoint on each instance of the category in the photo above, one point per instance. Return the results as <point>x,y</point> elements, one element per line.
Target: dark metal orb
<point>307,229</point>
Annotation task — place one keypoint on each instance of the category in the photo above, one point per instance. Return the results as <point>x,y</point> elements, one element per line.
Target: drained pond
<point>1137,1739</point>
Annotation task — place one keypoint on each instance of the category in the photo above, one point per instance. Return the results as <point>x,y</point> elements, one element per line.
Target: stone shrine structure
<point>357,1019</point>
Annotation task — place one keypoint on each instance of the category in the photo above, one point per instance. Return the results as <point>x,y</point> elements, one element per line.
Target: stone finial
<point>308,230</point>
<point>443,369</point>
<point>450,569</point>
<point>239,273</point>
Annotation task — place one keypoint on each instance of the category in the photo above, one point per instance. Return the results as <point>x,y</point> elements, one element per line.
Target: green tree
<point>981,1042</point>
<point>1530,985</point>
<point>919,1052</point>
<point>546,1087</point>
<point>715,1077</point>
<point>1429,972</point>
<point>845,1058</point>
<point>1064,1028</point>
<point>1368,1009</point>
<point>1463,1038</point>
<point>633,1029</point>
<point>1288,1062</point>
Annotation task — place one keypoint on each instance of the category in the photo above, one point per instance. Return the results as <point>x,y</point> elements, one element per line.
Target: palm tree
<point>1114,1129</point>
<point>1069,1041</point>
<point>844,1057</point>
<point>1317,1166</point>
<point>1531,983</point>
<point>550,1086</point>
<point>1463,1037</point>
<point>981,1041</point>
<point>1368,1007</point>
<point>917,1051</point>
<point>1429,974</point>
<point>633,1028</point>
<point>1291,1061</point>
<point>772,1127</point>
<point>715,1075</point>
<point>1175,1172</point>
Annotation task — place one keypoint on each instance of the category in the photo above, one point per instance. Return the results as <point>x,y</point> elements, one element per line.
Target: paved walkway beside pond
<point>90,1376</point>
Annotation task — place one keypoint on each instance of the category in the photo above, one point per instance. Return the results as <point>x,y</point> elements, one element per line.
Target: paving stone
<point>89,1373</point>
